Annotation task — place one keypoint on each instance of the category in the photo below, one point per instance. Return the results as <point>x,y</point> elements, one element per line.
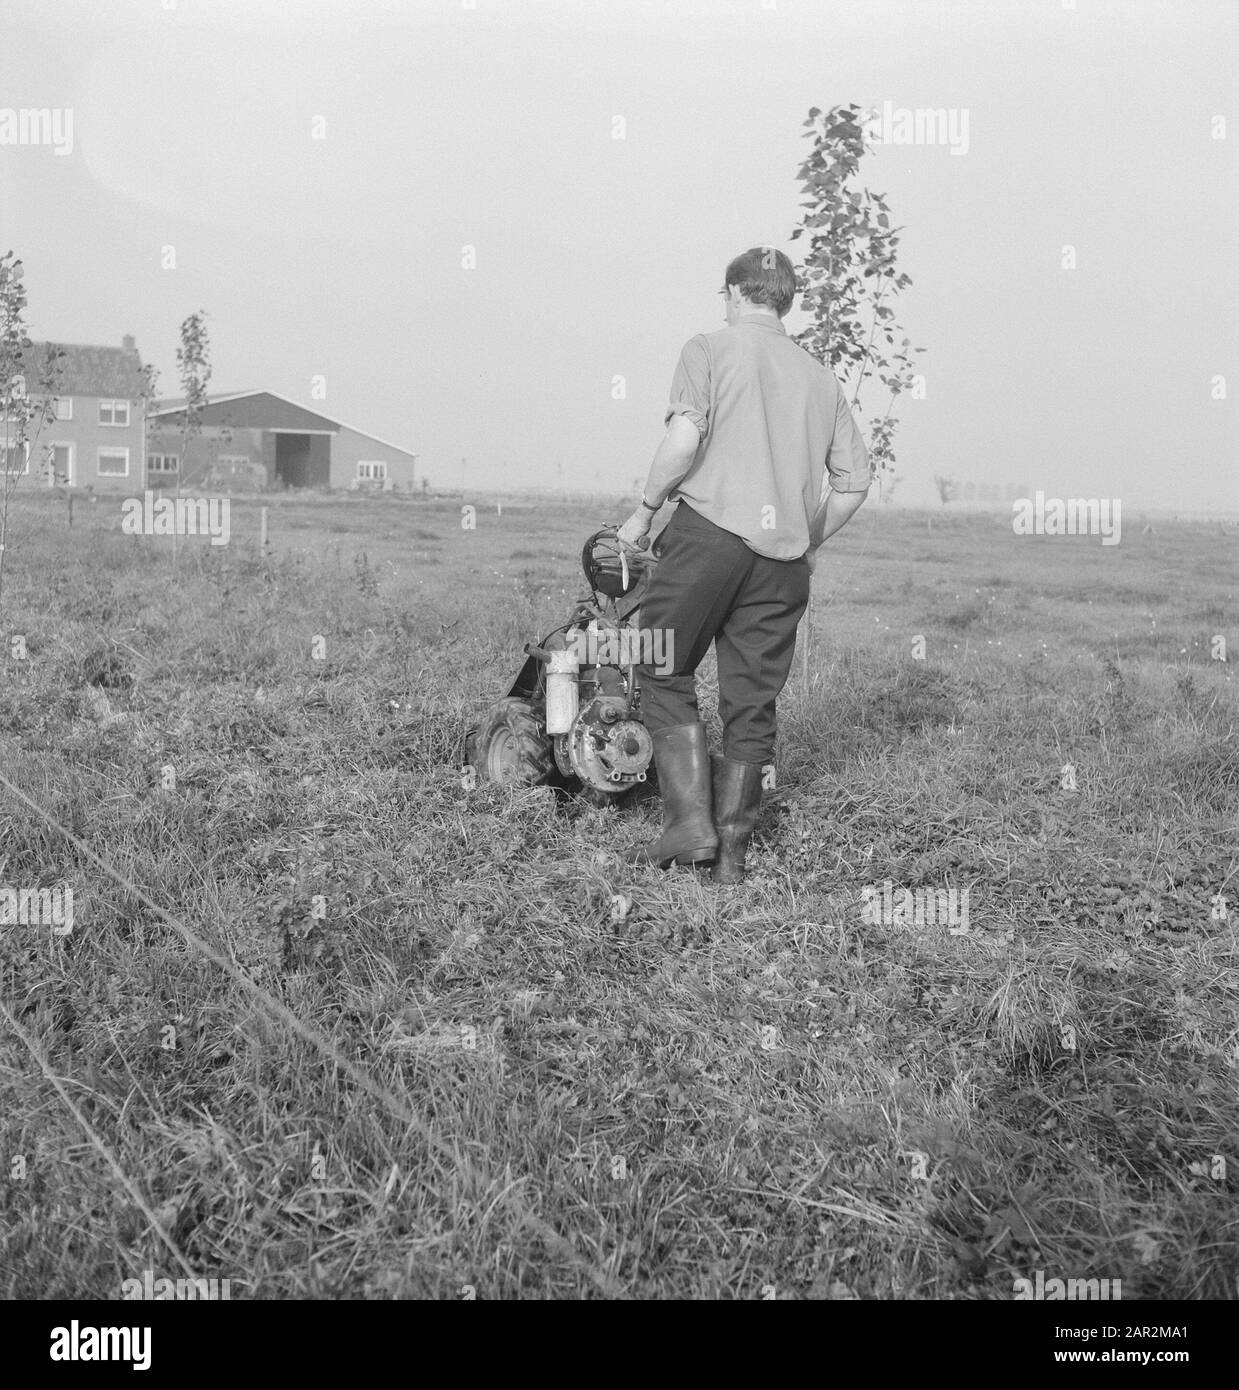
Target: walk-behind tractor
<point>572,717</point>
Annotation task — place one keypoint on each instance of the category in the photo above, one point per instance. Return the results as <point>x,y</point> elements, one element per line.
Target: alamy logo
<point>915,907</point>
<point>177,516</point>
<point>924,125</point>
<point>149,1288</point>
<point>1075,516</point>
<point>625,646</point>
<point>37,907</point>
<point>1040,1288</point>
<point>38,125</point>
<point>78,1343</point>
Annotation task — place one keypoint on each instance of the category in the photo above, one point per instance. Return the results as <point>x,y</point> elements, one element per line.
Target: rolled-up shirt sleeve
<point>847,459</point>
<point>690,386</point>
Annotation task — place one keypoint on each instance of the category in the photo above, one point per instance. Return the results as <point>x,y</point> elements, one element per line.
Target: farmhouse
<point>95,440</point>
<point>102,440</point>
<point>257,440</point>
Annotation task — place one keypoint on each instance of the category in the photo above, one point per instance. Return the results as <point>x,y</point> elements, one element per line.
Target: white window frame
<point>114,423</point>
<point>5,470</point>
<point>163,458</point>
<point>371,477</point>
<point>65,404</point>
<point>112,449</point>
<point>17,387</point>
<point>52,445</point>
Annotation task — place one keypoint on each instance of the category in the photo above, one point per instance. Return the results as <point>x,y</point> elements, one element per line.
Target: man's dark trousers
<point>710,587</point>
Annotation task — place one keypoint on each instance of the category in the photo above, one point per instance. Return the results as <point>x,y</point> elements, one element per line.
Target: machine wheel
<point>512,746</point>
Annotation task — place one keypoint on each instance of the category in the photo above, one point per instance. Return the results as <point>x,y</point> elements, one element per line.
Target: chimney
<point>128,343</point>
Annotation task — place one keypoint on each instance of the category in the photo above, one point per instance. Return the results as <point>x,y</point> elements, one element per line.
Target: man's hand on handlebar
<point>635,531</point>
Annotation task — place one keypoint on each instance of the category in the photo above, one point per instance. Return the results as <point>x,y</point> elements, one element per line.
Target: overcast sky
<point>449,124</point>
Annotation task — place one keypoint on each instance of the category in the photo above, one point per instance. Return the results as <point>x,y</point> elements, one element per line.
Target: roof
<point>264,410</point>
<point>261,410</point>
<point>87,370</point>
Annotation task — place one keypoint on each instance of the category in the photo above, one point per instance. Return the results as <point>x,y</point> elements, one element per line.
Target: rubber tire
<point>512,747</point>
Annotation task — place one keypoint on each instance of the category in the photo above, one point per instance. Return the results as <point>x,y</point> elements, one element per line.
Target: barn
<point>260,441</point>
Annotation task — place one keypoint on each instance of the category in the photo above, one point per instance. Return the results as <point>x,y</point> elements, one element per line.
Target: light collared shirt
<point>774,425</point>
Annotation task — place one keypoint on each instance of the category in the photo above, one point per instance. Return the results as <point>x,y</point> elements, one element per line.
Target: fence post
<point>262,535</point>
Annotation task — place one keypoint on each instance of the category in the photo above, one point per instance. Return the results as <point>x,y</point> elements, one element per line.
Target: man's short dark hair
<point>764,276</point>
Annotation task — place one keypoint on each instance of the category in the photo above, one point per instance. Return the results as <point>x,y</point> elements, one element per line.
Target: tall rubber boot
<point>737,799</point>
<point>683,764</point>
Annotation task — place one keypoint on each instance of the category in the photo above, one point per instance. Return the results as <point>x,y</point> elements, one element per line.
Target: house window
<point>114,412</point>
<point>60,456</point>
<point>163,463</point>
<point>372,470</point>
<point>16,456</point>
<point>17,388</point>
<point>64,407</point>
<point>113,463</point>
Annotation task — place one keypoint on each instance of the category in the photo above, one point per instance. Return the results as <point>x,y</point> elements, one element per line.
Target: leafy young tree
<point>148,394</point>
<point>193,365</point>
<point>849,274</point>
<point>948,488</point>
<point>23,414</point>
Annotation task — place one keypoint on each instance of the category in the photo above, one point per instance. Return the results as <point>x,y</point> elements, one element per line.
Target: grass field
<point>341,1026</point>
